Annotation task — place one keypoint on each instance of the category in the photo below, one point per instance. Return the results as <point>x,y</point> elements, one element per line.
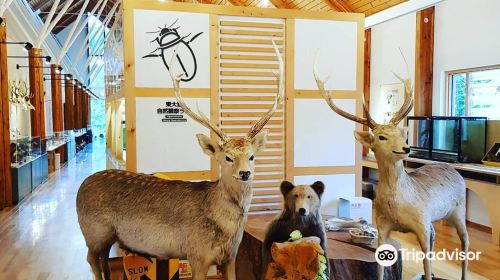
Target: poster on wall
<point>337,46</point>
<point>165,40</point>
<point>166,136</point>
<point>392,97</point>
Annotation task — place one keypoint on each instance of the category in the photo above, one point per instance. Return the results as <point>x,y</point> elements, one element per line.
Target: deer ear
<point>365,138</point>
<point>404,131</point>
<point>207,145</point>
<point>319,188</point>
<point>259,141</point>
<point>286,187</point>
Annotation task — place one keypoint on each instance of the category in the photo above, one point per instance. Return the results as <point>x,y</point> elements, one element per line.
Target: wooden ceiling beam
<point>339,6</point>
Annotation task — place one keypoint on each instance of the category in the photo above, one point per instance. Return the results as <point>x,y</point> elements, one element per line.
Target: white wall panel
<point>336,42</point>
<point>322,137</point>
<point>169,146</point>
<point>337,186</point>
<point>151,72</point>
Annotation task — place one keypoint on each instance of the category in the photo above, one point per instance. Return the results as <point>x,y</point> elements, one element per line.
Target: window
<point>475,92</point>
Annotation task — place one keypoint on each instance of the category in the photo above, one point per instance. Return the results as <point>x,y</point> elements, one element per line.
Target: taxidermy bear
<point>300,212</point>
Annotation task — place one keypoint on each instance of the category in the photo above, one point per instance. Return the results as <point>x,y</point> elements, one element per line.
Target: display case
<point>56,140</point>
<point>20,151</point>
<point>448,139</point>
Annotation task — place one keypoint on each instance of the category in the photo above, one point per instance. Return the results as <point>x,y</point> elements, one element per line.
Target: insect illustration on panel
<point>169,41</point>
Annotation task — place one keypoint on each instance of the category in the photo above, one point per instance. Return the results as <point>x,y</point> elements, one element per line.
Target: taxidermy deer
<point>202,222</point>
<point>20,95</point>
<point>408,202</point>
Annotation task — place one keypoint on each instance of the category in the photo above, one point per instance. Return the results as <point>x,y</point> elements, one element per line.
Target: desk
<point>347,260</point>
<point>481,179</point>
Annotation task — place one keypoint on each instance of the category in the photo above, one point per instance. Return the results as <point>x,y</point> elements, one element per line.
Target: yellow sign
<point>139,268</point>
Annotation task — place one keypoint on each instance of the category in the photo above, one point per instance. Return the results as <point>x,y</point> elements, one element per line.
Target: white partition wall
<point>228,61</point>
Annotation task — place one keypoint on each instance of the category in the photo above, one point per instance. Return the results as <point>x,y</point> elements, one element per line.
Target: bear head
<point>302,200</point>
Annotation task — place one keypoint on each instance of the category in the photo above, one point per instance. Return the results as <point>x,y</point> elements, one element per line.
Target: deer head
<point>236,156</point>
<point>388,141</point>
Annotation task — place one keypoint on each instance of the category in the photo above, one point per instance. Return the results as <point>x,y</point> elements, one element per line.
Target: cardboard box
<point>355,208</point>
<point>492,157</point>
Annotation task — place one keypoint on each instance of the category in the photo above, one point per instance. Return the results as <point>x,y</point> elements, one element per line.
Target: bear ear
<point>286,187</point>
<point>318,187</point>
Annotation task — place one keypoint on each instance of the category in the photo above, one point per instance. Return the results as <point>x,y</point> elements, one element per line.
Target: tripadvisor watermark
<point>387,255</point>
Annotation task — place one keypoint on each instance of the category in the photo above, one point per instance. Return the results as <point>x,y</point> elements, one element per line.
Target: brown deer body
<point>408,202</point>
<point>200,221</point>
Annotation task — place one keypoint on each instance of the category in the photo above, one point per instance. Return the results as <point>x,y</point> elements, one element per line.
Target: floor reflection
<point>41,238</point>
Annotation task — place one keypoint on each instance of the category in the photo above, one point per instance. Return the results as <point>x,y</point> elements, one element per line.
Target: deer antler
<point>327,95</point>
<point>257,127</point>
<point>200,117</point>
<point>407,104</point>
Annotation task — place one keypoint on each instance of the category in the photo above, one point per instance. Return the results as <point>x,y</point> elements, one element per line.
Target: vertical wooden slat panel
<point>37,93</point>
<point>5,175</point>
<point>424,57</point>
<point>244,66</point>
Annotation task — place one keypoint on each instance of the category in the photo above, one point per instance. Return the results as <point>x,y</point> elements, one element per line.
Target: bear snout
<point>302,211</point>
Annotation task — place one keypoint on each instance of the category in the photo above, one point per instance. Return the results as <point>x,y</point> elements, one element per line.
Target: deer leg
<point>432,238</point>
<point>458,221</point>
<point>424,238</point>
<point>229,270</point>
<point>200,268</point>
<point>93,259</point>
<point>384,230</point>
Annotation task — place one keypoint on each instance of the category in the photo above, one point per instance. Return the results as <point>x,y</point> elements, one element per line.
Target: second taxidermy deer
<point>408,202</point>
<point>202,222</point>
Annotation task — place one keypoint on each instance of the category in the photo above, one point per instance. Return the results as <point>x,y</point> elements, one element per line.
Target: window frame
<point>449,86</point>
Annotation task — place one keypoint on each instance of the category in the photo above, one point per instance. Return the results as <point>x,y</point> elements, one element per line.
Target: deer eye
<point>229,159</point>
<point>252,158</point>
<point>382,138</point>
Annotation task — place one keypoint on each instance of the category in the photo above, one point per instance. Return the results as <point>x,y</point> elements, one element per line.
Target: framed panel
<point>337,49</point>
<point>322,137</point>
<point>158,34</point>
<point>165,144</point>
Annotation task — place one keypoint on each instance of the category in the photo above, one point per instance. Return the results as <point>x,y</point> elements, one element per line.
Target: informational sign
<point>171,112</point>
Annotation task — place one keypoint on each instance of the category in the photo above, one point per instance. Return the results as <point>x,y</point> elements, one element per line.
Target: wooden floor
<point>40,239</point>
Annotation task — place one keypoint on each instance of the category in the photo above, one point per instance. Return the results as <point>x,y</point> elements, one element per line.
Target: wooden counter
<point>347,260</point>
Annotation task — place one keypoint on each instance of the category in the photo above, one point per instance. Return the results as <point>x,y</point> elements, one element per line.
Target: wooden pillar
<point>366,85</point>
<point>37,93</point>
<point>57,114</point>
<point>78,113</point>
<point>424,56</point>
<point>5,175</point>
<point>69,105</point>
<point>83,108</point>
<point>89,106</point>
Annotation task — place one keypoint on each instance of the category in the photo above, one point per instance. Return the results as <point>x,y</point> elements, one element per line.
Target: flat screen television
<point>449,139</point>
